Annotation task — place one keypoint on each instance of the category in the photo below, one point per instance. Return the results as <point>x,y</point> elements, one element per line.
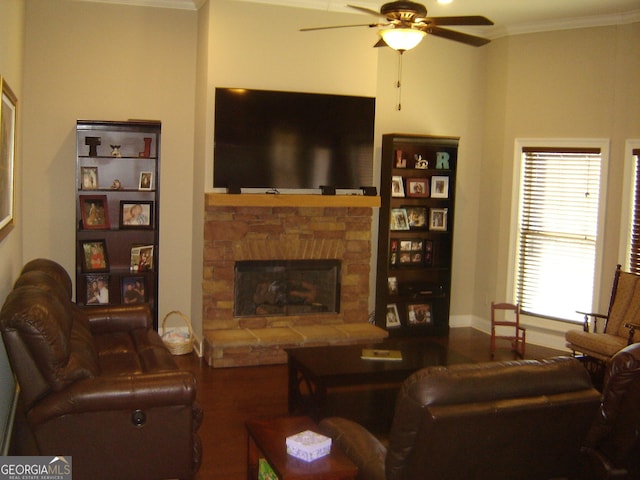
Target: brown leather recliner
<point>612,447</point>
<point>523,419</point>
<point>98,384</point>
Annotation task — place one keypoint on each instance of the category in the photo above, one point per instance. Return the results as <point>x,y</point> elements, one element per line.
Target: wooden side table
<point>267,439</point>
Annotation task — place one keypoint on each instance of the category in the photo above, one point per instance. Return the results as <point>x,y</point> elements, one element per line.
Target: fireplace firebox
<point>286,287</point>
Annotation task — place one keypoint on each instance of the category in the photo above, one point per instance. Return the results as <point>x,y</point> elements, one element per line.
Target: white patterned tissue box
<point>308,445</point>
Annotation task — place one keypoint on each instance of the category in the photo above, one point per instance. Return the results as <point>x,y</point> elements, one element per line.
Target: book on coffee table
<point>379,354</point>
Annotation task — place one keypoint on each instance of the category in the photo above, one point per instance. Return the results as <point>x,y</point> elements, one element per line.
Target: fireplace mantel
<point>289,200</point>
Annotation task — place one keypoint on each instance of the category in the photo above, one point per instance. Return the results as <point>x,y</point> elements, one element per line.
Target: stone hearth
<point>284,227</point>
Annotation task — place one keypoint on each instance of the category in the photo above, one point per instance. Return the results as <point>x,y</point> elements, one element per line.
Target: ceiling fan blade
<point>365,10</point>
<point>311,29</point>
<point>456,36</point>
<point>460,20</point>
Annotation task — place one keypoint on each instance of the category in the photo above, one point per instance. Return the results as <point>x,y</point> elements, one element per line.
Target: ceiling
<point>509,16</point>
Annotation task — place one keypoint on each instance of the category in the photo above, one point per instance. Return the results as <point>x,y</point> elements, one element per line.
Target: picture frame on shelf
<point>399,219</point>
<point>440,186</point>
<point>136,214</point>
<point>405,245</point>
<point>397,186</point>
<point>428,253</point>
<point>438,219</point>
<point>89,176</point>
<point>133,290</point>
<point>417,187</point>
<point>94,256</point>
<point>392,317</point>
<point>419,314</point>
<point>393,251</point>
<point>141,258</point>
<point>95,212</point>
<point>97,288</point>
<point>8,126</point>
<point>393,285</point>
<point>404,258</point>
<point>417,217</point>
<point>401,161</point>
<point>146,181</point>
<point>411,251</point>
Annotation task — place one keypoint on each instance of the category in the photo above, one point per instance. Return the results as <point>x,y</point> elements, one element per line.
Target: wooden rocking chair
<point>518,337</point>
<point>620,323</point>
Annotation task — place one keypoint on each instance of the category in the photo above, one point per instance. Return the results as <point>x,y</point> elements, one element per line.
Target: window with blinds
<point>557,234</point>
<point>634,253</point>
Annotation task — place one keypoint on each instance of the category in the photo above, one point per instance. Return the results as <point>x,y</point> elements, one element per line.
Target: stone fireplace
<point>279,229</point>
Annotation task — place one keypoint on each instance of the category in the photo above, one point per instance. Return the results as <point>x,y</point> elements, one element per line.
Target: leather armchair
<point>520,419</point>
<point>612,446</point>
<point>97,383</point>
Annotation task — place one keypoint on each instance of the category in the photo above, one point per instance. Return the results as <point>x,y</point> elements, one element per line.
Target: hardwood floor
<point>229,396</point>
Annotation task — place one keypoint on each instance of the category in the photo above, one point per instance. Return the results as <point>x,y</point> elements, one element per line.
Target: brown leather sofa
<point>97,383</point>
<point>523,419</point>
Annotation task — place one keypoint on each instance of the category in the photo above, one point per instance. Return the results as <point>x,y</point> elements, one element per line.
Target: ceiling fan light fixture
<point>402,39</point>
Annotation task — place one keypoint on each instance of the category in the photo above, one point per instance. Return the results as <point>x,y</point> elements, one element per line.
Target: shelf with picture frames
<point>117,212</point>
<point>415,234</point>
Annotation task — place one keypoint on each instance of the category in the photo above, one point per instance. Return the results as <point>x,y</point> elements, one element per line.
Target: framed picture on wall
<point>8,109</point>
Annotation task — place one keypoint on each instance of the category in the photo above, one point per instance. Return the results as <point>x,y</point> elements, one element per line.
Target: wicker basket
<point>175,345</point>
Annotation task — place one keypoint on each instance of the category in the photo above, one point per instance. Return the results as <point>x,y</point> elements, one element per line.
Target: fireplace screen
<point>287,287</point>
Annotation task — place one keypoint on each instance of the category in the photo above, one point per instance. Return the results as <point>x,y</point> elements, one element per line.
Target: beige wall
<point>570,84</point>
<point>11,58</point>
<point>108,62</point>
<point>11,54</point>
<point>88,60</point>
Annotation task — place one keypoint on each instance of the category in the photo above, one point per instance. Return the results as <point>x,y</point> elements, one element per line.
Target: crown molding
<point>566,24</point>
<point>173,4</point>
<point>339,6</point>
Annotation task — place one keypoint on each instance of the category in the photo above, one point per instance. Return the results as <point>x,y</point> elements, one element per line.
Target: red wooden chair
<point>509,319</point>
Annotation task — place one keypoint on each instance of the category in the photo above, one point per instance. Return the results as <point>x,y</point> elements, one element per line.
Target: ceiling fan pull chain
<point>399,81</point>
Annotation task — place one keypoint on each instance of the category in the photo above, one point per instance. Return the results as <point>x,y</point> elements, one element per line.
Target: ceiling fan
<point>406,23</point>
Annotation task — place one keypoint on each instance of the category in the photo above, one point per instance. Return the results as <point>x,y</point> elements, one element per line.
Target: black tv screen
<point>290,140</point>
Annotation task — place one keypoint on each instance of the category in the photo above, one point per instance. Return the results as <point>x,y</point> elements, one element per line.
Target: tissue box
<point>308,446</point>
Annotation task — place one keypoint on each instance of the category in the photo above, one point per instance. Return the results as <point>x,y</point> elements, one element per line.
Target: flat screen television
<point>291,140</point>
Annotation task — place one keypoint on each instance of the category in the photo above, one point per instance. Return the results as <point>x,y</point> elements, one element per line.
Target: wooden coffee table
<point>267,439</point>
<point>315,371</point>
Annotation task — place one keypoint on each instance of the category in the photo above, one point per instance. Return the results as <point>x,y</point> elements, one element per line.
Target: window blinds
<point>558,231</point>
<point>634,256</point>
